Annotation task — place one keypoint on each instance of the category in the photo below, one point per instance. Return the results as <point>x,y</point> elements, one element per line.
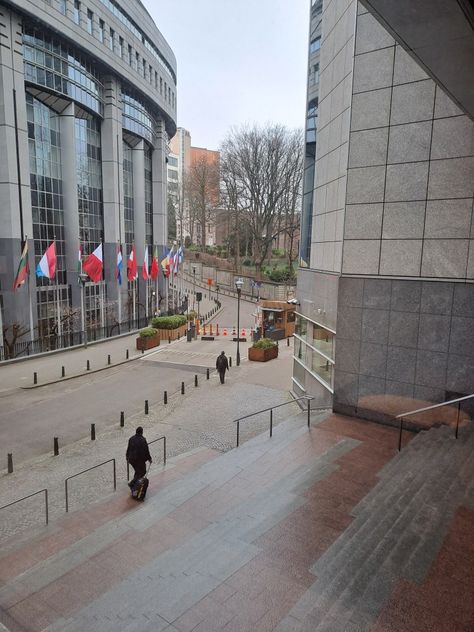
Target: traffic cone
<point>233,331</point>
<point>210,329</point>
<point>204,330</point>
<point>225,332</point>
<point>243,334</point>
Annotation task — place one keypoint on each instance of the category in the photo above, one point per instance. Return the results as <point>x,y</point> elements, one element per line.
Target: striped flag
<point>118,272</point>
<point>47,265</point>
<point>23,267</point>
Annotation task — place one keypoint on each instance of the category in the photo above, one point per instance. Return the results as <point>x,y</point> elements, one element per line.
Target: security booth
<point>278,319</point>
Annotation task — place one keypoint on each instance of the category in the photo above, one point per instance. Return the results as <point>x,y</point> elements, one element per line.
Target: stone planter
<point>143,344</point>
<point>172,334</point>
<point>262,355</point>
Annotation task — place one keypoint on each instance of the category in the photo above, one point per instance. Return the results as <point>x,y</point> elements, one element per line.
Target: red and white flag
<point>132,265</point>
<point>47,265</point>
<point>94,265</point>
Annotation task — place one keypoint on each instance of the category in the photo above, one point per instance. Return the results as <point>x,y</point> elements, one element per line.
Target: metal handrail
<point>264,410</point>
<point>149,443</point>
<point>29,496</point>
<point>88,470</point>
<point>458,400</point>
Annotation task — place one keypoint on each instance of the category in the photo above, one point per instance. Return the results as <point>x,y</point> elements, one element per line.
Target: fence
<point>41,491</point>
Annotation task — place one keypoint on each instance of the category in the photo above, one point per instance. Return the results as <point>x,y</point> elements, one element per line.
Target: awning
<point>272,309</point>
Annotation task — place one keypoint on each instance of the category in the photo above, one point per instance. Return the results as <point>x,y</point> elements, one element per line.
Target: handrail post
<point>309,413</point>
<point>65,490</point>
<point>46,505</point>
<point>400,435</point>
<point>271,422</point>
<point>238,432</point>
<point>457,420</point>
<point>115,476</point>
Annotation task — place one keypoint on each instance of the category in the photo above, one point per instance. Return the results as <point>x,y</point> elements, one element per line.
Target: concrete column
<point>15,195</point>
<point>138,157</point>
<point>160,207</point>
<point>71,210</point>
<point>112,186</point>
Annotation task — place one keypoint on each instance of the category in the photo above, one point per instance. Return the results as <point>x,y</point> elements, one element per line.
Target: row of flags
<point>94,264</point>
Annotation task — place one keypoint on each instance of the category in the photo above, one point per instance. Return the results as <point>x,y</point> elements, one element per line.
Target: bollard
<point>230,361</point>
<point>182,388</point>
<point>10,463</point>
<point>195,380</point>
<point>108,359</point>
<point>92,432</point>
<point>35,378</point>
<point>126,355</point>
<point>169,340</point>
<point>122,419</point>
<point>207,374</point>
<point>63,372</point>
<point>88,367</point>
<point>287,342</point>
<point>143,351</point>
<point>55,446</point>
<point>165,397</point>
<point>146,407</point>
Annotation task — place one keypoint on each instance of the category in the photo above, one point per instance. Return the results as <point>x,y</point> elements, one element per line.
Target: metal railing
<point>83,472</point>
<point>149,443</point>
<point>41,491</point>
<point>271,409</point>
<point>421,410</point>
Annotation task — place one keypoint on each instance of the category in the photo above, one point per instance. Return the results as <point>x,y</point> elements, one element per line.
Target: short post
<point>182,388</point>
<point>126,355</point>
<point>164,450</point>
<point>195,380</point>
<point>88,367</point>
<point>63,372</point>
<point>108,359</point>
<point>165,397</point>
<point>207,373</point>
<point>230,361</point>
<point>309,413</point>
<point>238,433</point>
<point>46,505</point>
<point>288,342</point>
<point>400,435</point>
<point>10,463</point>
<point>122,419</point>
<point>143,351</point>
<point>271,422</point>
<point>457,420</point>
<point>35,378</point>
<point>92,432</point>
<point>55,446</point>
<point>146,407</point>
<point>169,340</point>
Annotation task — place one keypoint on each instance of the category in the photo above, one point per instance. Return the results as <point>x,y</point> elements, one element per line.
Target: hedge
<point>168,322</point>
<point>147,332</point>
<point>264,343</point>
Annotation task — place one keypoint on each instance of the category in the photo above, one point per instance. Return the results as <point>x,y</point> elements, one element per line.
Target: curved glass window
<point>136,117</point>
<point>129,209</point>
<point>89,182</point>
<point>148,196</point>
<point>51,63</point>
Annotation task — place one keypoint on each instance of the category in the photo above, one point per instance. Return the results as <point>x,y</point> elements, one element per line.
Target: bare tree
<point>262,166</point>
<point>11,335</point>
<point>202,193</point>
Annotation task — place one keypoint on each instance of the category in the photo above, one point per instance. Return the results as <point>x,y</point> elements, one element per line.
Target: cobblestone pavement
<point>200,418</point>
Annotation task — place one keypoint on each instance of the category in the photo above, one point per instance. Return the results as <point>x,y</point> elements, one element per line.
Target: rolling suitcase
<point>140,486</point>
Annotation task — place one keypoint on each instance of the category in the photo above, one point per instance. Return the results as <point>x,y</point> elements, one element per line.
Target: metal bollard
<point>10,463</point>
<point>287,342</point>
<point>55,446</point>
<point>146,407</point>
<point>165,397</point>
<point>35,378</point>
<point>207,374</point>
<point>195,380</point>
<point>63,372</point>
<point>88,367</point>
<point>92,432</point>
<point>108,359</point>
<point>182,388</point>
<point>143,351</point>
<point>230,361</point>
<point>126,355</point>
<point>122,419</point>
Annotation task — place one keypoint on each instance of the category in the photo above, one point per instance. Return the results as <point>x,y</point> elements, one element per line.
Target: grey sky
<point>238,61</point>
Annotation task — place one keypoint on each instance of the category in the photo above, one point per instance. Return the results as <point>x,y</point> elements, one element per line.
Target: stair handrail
<point>271,408</point>
<point>458,400</point>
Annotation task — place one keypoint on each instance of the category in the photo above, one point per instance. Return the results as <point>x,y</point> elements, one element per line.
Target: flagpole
<point>102,311</point>
<point>134,301</point>
<point>30,306</point>
<point>119,293</point>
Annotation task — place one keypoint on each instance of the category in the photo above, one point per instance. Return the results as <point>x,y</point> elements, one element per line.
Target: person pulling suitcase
<point>137,455</point>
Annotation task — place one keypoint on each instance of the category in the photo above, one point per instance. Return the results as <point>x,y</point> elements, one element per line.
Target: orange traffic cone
<point>204,330</point>
<point>233,331</point>
<point>243,334</point>
<point>225,332</point>
<point>210,329</point>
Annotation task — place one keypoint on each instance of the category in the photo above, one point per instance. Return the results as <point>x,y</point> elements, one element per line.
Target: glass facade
<point>148,196</point>
<point>314,351</point>
<point>136,117</point>
<point>47,209</point>
<point>129,214</point>
<point>51,63</point>
<point>89,183</point>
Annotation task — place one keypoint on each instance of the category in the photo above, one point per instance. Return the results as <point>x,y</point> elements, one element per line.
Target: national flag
<point>118,272</point>
<point>94,265</point>
<point>79,260</point>
<point>154,264</point>
<point>171,256</point>
<point>23,267</point>
<point>165,263</point>
<point>145,275</point>
<point>47,265</point>
<point>132,265</point>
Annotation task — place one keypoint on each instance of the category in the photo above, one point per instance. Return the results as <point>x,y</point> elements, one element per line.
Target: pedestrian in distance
<point>222,365</point>
<point>137,455</point>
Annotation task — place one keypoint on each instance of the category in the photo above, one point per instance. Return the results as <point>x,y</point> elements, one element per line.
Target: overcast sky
<point>238,61</point>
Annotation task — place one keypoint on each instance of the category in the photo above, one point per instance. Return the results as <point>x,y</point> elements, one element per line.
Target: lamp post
<point>82,280</point>
<point>217,295</point>
<point>238,284</point>
<point>194,285</point>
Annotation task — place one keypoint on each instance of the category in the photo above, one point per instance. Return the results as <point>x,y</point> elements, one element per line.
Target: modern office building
<point>88,105</point>
<point>386,283</point>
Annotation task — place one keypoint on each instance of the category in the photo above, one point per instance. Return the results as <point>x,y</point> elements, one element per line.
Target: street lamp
<point>238,284</point>
<point>82,280</point>
<point>194,285</point>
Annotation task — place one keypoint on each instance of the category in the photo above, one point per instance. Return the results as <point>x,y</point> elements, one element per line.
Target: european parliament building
<point>87,106</point>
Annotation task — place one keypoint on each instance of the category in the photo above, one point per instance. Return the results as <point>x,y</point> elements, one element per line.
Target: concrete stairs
<point>397,532</point>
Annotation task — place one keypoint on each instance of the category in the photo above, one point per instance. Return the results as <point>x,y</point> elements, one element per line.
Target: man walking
<point>137,455</point>
<point>222,365</point>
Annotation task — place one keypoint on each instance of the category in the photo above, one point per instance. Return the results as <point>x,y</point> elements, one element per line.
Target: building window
<point>143,68</point>
<point>77,12</point>
<point>111,39</point>
<point>128,196</point>
<point>312,121</point>
<point>62,6</point>
<point>315,45</point>
<point>137,62</point>
<point>161,85</point>
<point>130,55</point>
<point>314,75</point>
<point>150,73</point>
<point>156,80</point>
<point>166,91</point>
<point>121,52</point>
<point>148,196</point>
<point>90,17</point>
<point>101,30</point>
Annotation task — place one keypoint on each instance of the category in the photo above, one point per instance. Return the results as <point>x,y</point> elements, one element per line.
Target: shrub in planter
<point>170,327</point>
<point>148,338</point>
<point>263,350</point>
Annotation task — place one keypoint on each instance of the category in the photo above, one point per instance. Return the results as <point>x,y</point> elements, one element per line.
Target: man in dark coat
<point>222,365</point>
<point>138,454</point>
